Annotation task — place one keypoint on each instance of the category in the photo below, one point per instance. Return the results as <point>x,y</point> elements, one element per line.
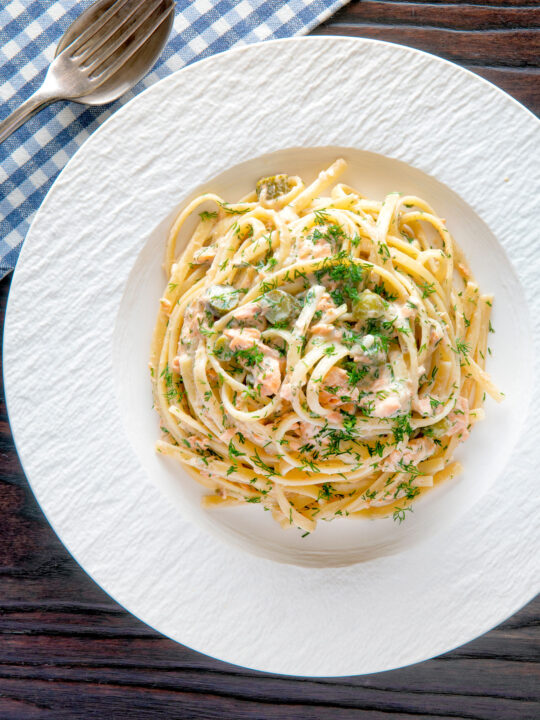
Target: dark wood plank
<point>69,651</point>
<point>466,4</point>
<point>476,17</point>
<point>515,48</point>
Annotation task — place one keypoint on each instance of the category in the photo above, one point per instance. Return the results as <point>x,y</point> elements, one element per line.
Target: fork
<point>110,33</point>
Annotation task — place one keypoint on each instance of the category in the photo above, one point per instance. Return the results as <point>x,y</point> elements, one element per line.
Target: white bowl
<point>83,302</point>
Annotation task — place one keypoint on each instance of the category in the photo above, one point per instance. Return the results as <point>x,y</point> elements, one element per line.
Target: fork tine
<point>98,23</point>
<point>114,24</point>
<point>110,68</point>
<point>108,43</point>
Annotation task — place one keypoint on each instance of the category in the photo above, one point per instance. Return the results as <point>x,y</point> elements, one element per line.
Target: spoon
<point>103,53</point>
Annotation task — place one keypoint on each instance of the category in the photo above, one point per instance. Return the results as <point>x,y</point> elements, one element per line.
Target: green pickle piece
<point>221,298</point>
<point>440,429</point>
<point>279,305</point>
<point>273,186</point>
<point>222,349</point>
<point>368,305</point>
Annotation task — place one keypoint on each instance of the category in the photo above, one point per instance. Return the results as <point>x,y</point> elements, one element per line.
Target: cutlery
<point>102,54</point>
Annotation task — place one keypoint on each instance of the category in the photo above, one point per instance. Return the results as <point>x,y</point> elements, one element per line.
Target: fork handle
<point>28,109</point>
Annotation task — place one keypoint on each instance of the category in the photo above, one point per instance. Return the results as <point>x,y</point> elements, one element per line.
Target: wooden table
<point>68,651</point>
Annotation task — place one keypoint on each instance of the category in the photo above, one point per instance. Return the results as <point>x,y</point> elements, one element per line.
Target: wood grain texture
<point>451,17</point>
<point>512,48</point>
<point>67,651</point>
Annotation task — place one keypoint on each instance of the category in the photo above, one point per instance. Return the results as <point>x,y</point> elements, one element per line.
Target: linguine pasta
<point>318,352</point>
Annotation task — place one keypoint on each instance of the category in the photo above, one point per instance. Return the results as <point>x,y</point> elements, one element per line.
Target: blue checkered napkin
<point>33,156</point>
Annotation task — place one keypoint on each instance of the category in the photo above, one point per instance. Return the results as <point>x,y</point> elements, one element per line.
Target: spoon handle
<point>28,109</point>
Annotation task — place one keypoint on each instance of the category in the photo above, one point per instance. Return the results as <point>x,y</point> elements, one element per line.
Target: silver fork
<point>105,51</point>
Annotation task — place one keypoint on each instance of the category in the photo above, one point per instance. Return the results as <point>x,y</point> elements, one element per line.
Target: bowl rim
<point>83,547</point>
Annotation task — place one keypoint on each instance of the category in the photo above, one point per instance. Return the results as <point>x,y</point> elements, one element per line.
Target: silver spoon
<point>103,53</point>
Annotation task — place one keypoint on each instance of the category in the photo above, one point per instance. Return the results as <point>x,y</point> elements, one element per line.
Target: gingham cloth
<point>33,156</point>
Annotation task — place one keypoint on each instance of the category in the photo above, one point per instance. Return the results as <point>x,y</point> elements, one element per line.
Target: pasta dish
<point>318,352</point>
